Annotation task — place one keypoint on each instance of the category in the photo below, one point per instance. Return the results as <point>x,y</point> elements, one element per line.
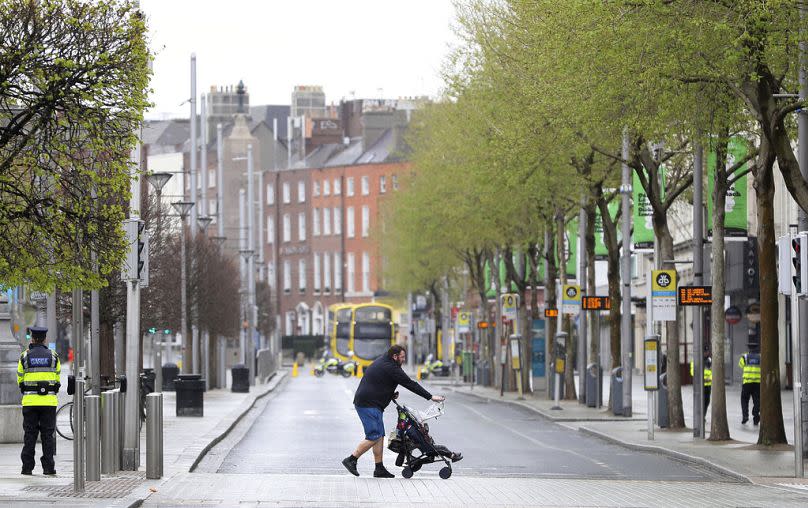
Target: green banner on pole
<point>571,247</point>
<point>642,220</point>
<point>735,208</point>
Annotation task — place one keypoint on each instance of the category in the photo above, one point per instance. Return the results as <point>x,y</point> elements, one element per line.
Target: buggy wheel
<point>445,473</point>
<point>346,373</point>
<point>416,467</point>
<point>318,372</point>
<point>406,472</point>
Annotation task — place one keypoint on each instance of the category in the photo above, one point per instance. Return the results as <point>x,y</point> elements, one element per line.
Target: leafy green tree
<point>73,83</point>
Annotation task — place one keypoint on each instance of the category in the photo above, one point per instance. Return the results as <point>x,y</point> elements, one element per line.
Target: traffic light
<point>799,259</point>
<point>143,255</point>
<point>166,332</point>
<point>152,330</point>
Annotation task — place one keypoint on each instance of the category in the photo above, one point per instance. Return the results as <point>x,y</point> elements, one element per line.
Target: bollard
<point>154,436</point>
<point>78,434</point>
<point>121,405</point>
<point>93,446</point>
<point>108,448</point>
<point>116,431</point>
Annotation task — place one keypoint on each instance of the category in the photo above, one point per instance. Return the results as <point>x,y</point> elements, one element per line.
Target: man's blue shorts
<point>372,422</point>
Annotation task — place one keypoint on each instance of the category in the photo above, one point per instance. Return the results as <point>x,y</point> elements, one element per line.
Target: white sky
<point>364,46</point>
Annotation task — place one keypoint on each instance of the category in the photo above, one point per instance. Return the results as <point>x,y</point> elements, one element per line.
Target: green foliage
<point>73,87</point>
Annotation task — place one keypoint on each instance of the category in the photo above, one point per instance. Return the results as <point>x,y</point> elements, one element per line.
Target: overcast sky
<point>369,47</point>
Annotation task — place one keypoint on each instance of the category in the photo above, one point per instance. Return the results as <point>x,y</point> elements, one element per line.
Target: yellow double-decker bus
<point>340,316</point>
<point>367,330</point>
<point>372,331</point>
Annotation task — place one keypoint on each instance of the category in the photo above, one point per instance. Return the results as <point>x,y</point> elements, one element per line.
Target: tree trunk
<point>719,429</point>
<point>591,289</point>
<point>772,430</point>
<point>675,407</point>
<point>107,350</point>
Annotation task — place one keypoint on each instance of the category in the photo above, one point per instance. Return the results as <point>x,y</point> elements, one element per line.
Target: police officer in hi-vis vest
<point>708,377</point>
<point>38,376</point>
<point>750,363</point>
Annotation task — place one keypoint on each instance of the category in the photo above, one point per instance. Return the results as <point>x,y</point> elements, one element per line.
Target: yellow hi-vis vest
<point>750,363</point>
<point>38,376</point>
<point>708,374</point>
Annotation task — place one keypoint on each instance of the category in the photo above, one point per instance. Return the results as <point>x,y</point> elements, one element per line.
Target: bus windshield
<point>343,331</point>
<point>373,331</point>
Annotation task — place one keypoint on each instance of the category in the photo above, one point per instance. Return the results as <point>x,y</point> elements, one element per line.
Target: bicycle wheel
<point>64,421</point>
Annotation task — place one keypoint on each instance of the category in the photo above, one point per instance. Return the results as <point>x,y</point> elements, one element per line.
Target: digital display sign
<point>550,312</point>
<point>596,303</point>
<point>695,295</point>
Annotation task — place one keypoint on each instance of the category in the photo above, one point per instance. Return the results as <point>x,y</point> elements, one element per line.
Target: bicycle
<point>64,414</point>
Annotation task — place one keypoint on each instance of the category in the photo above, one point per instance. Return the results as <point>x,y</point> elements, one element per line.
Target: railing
<point>267,365</point>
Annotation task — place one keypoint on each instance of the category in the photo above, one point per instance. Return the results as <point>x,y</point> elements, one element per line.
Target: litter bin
<point>662,402</point>
<point>594,385</point>
<point>170,373</point>
<point>616,391</point>
<point>483,373</point>
<point>190,390</point>
<point>468,366</point>
<point>241,378</point>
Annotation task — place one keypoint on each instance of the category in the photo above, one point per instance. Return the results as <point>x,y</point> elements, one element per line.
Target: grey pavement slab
<point>212,489</point>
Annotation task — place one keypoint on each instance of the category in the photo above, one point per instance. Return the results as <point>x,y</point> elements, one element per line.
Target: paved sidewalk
<point>185,441</point>
<point>741,456</point>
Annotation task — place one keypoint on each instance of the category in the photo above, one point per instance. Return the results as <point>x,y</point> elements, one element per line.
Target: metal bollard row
<point>108,432</point>
<point>93,441</point>
<point>154,435</point>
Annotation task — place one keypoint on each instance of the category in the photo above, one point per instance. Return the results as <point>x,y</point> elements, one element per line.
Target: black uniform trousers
<point>39,420</point>
<point>752,389</point>
<point>707,392</point>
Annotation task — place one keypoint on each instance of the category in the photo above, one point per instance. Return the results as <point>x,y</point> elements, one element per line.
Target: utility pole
<point>251,316</point>
<point>131,449</point>
<point>698,280</point>
<point>625,324</point>
<point>800,339</point>
<point>242,197</point>
<point>583,316</point>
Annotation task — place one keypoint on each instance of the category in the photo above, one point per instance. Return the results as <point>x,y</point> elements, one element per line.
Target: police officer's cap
<point>38,332</point>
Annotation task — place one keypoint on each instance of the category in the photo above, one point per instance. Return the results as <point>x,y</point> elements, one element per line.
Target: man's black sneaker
<point>26,472</point>
<point>350,465</point>
<point>745,419</point>
<point>756,420</point>
<point>382,472</point>
<point>52,472</point>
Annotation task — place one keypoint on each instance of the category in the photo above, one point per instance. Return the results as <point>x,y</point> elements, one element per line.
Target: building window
<point>349,189</point>
<point>211,178</point>
<point>365,221</point>
<point>301,191</point>
<point>287,277</point>
<point>365,185</point>
<point>271,274</point>
<point>301,226</point>
<point>270,194</point>
<point>351,273</point>
<point>287,193</point>
<point>301,274</point>
<point>337,220</point>
<point>327,273</point>
<point>326,187</point>
<point>350,222</point>
<point>337,273</point>
<point>316,273</point>
<point>287,228</point>
<point>270,229</point>
<point>315,222</point>
<point>382,184</point>
<point>315,191</point>
<point>326,221</point>
<point>337,186</point>
<point>365,272</point>
<point>395,182</point>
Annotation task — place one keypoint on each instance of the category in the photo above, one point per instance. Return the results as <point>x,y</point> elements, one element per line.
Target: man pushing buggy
<point>376,390</point>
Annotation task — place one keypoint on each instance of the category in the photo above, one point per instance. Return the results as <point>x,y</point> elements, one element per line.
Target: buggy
<point>412,434</point>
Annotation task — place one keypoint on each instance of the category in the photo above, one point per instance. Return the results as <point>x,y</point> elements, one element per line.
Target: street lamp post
<point>182,208</point>
<point>158,181</point>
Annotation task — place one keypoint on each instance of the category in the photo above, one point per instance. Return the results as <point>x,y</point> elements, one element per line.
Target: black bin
<point>662,402</point>
<point>616,392</point>
<point>190,390</point>
<point>170,373</point>
<point>241,378</point>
